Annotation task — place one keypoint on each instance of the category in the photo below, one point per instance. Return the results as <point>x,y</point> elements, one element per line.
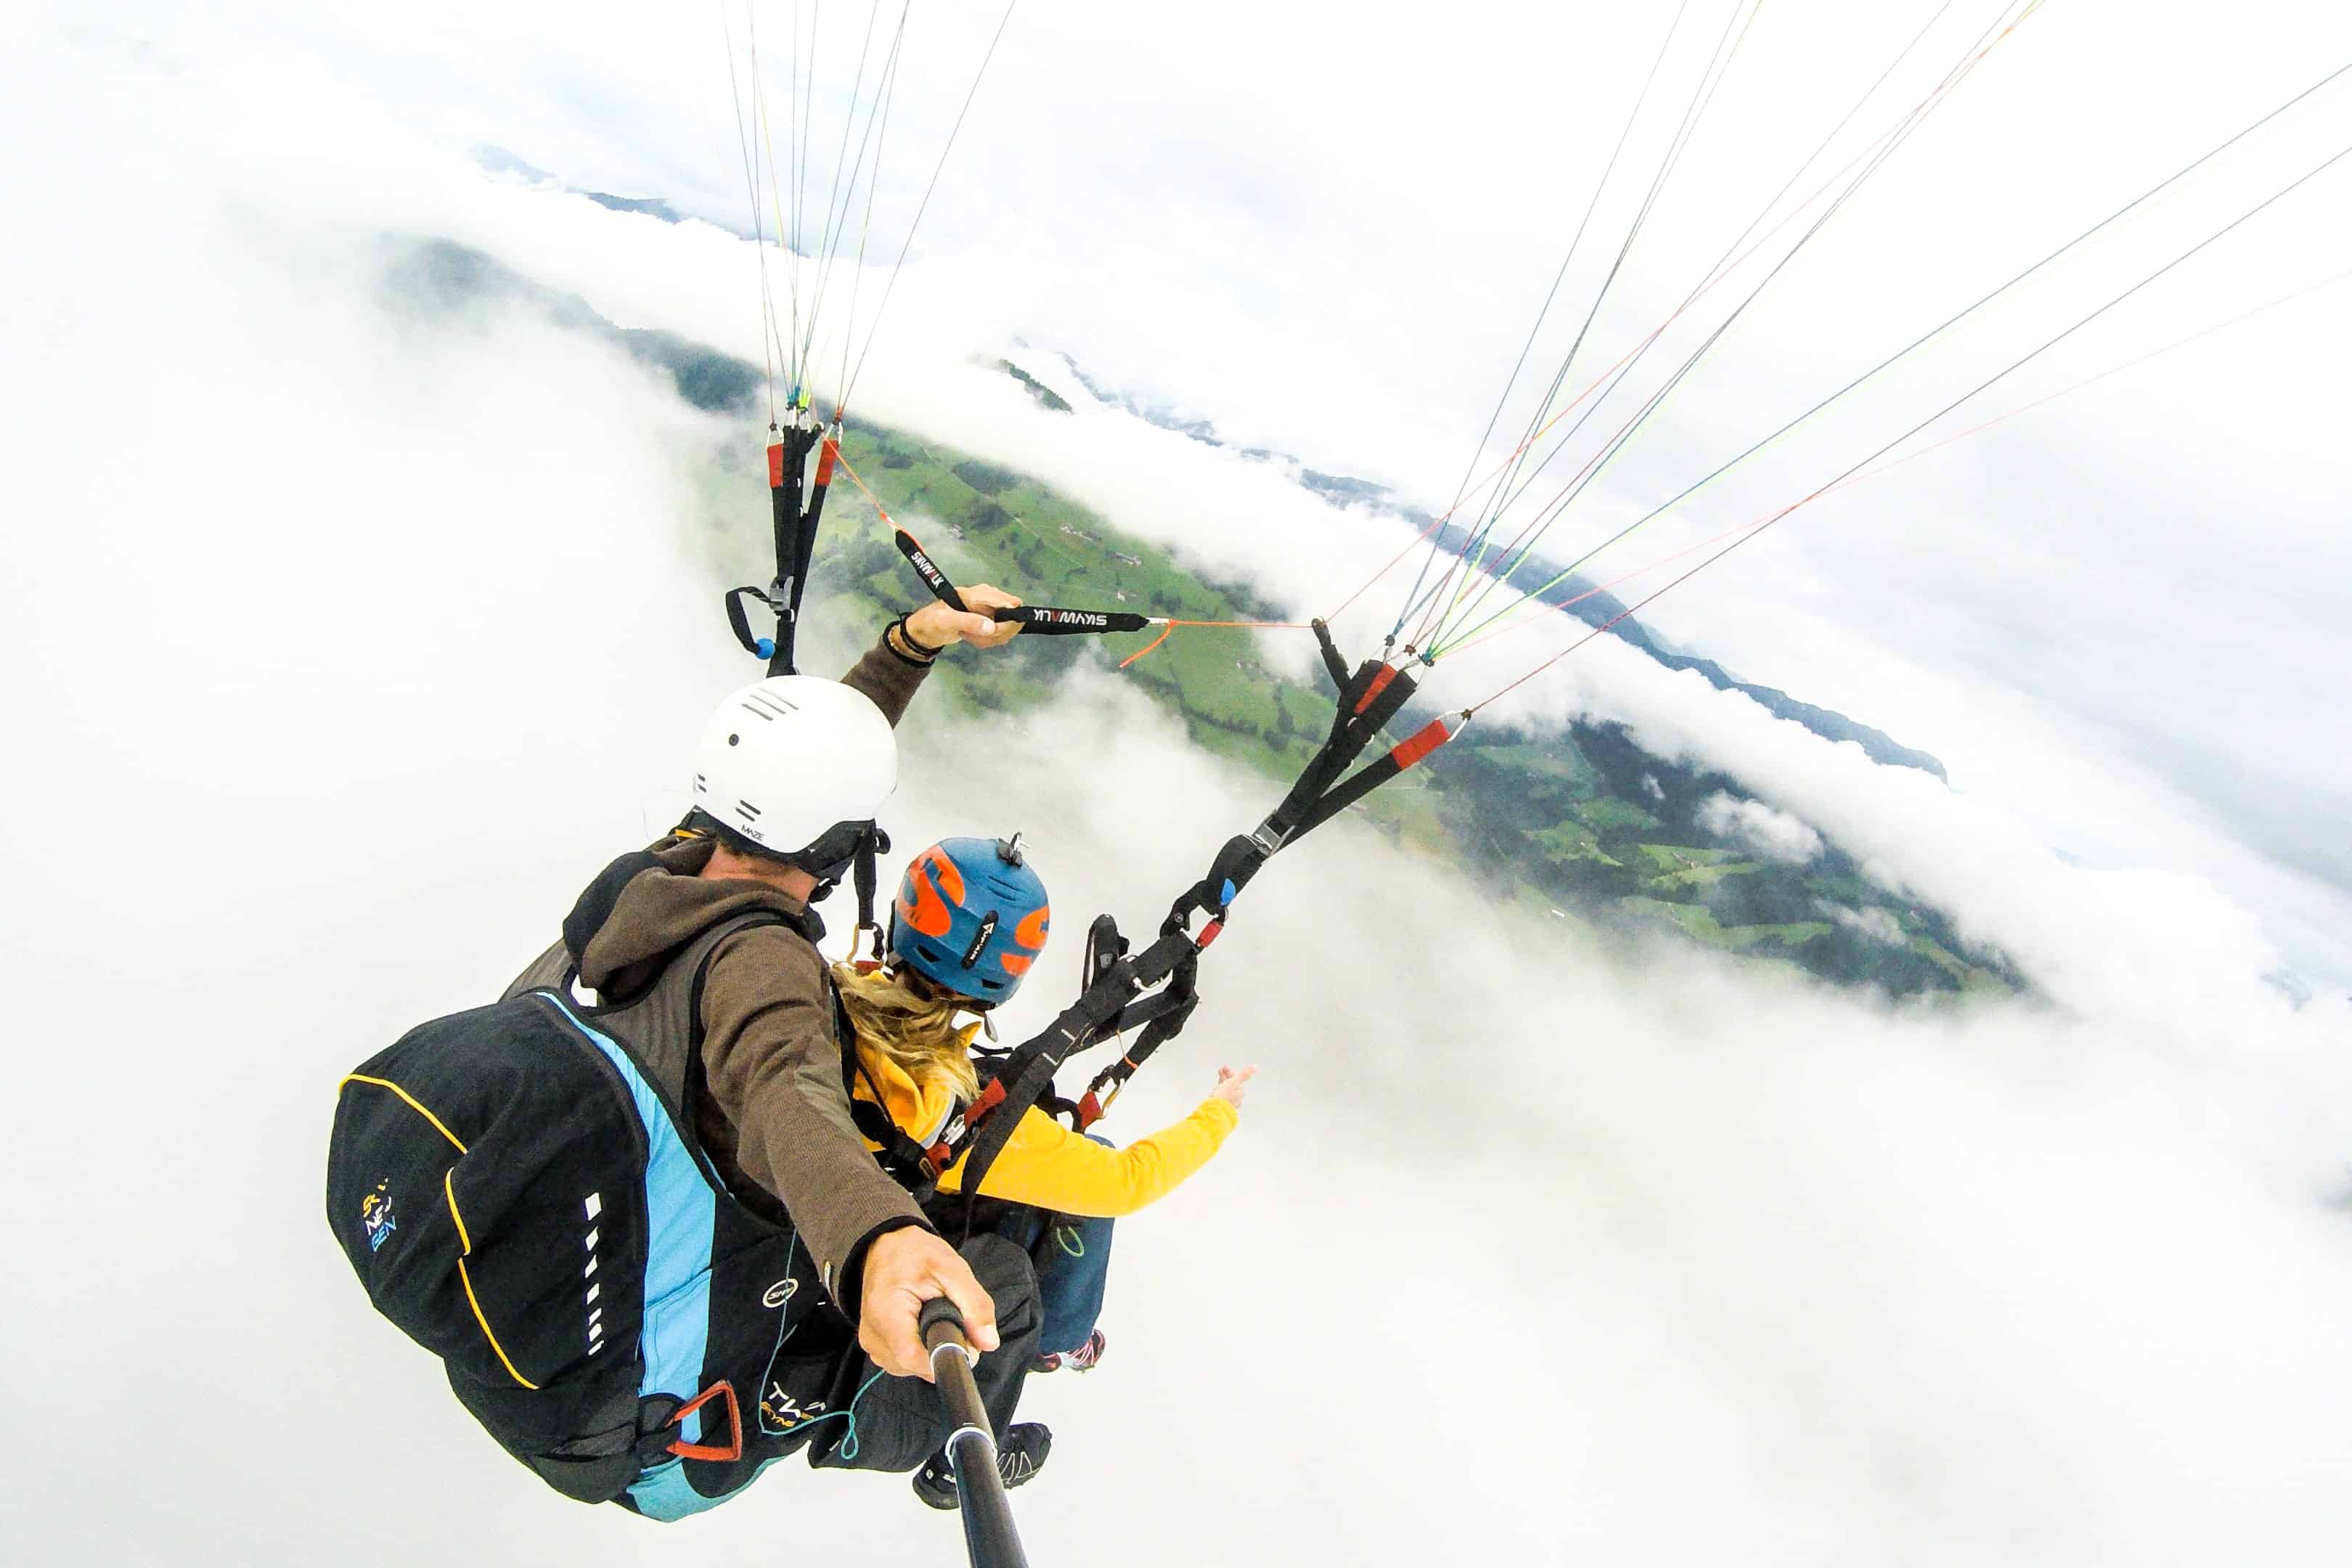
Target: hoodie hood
<point>647,905</point>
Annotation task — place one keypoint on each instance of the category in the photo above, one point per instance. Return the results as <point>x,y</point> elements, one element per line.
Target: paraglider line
<point>865,224</point>
<point>1720,273</point>
<point>923,206</point>
<point>1927,337</point>
<point>836,222</point>
<point>1463,490</point>
<point>2217,235</point>
<point>758,223</point>
<point>1718,66</point>
<point>1553,510</point>
<point>1168,626</point>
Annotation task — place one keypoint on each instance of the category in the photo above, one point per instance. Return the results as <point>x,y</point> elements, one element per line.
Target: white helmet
<point>788,760</point>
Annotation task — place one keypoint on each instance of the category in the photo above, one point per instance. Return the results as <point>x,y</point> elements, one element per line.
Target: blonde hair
<point>911,1026</point>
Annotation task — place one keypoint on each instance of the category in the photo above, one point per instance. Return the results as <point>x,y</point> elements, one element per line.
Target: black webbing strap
<point>1370,777</point>
<point>1169,1011</point>
<point>804,545</point>
<point>1368,699</point>
<point>927,569</point>
<point>795,542</point>
<point>1117,979</point>
<point>915,1166</point>
<point>1028,1071</point>
<point>906,1161</point>
<point>866,881</point>
<point>739,620</point>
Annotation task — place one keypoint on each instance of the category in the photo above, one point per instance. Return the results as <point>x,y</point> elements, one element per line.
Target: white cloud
<point>1878,925</point>
<point>2119,631</point>
<point>355,643</point>
<point>1775,835</point>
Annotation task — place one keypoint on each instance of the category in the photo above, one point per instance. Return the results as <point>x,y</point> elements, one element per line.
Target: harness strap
<point>1028,1070</point>
<point>739,620</point>
<point>1113,1002</point>
<point>1178,1002</point>
<point>1370,777</point>
<point>914,1165</point>
<point>866,879</point>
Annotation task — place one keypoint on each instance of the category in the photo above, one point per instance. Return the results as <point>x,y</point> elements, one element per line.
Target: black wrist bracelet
<point>921,649</point>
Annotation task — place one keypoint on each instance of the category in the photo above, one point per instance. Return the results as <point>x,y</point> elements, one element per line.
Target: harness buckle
<point>733,1449</point>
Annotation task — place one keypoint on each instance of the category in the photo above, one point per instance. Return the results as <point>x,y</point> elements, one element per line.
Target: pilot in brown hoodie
<point>772,1111</point>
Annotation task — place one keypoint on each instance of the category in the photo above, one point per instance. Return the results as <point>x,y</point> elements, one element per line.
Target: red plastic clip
<point>1209,933</point>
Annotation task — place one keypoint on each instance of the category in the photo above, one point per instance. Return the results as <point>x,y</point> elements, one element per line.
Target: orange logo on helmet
<point>927,913</point>
<point>950,880</point>
<point>1030,932</point>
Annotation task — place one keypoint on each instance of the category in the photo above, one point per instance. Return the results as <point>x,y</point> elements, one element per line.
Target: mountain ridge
<point>1573,592</point>
<point>1584,821</point>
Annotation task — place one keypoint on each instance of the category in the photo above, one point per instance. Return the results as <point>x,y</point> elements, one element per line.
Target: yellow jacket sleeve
<point>1047,1165</point>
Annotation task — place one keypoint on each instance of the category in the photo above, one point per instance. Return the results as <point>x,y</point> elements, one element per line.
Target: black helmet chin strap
<point>867,879</point>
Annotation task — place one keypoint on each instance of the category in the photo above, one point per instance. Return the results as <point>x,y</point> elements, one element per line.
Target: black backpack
<point>520,1190</point>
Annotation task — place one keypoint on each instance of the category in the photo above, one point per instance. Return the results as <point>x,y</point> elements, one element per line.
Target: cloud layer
<point>353,641</point>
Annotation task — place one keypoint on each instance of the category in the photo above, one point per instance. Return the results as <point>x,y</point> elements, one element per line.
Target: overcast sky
<point>334,703</point>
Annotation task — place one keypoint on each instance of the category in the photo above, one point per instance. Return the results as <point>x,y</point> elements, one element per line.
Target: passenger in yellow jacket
<point>969,919</point>
<point>1045,1165</point>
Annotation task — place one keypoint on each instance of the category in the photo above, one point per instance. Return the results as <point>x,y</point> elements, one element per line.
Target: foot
<point>1019,1455</point>
<point>1083,1359</point>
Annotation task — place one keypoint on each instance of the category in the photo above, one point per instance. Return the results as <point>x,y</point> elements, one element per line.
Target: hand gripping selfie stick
<point>989,1537</point>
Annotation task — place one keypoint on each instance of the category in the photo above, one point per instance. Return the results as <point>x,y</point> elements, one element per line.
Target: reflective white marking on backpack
<point>594,1206</point>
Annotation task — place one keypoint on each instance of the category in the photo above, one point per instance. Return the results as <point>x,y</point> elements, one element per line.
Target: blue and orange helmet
<point>970,916</point>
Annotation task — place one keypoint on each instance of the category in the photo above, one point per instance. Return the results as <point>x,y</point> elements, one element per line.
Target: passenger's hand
<point>1233,1084</point>
<point>905,1268</point>
<point>937,624</point>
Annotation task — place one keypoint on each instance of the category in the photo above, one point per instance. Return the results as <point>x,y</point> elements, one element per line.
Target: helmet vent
<point>768,705</point>
<point>748,809</point>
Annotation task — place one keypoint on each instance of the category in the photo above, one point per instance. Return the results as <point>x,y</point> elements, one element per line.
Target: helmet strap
<point>866,879</point>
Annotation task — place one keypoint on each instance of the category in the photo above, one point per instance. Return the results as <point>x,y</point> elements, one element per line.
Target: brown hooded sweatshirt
<point>773,1114</point>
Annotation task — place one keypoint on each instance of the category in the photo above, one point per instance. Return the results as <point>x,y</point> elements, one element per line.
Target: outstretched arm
<point>1048,1166</point>
<point>895,665</point>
